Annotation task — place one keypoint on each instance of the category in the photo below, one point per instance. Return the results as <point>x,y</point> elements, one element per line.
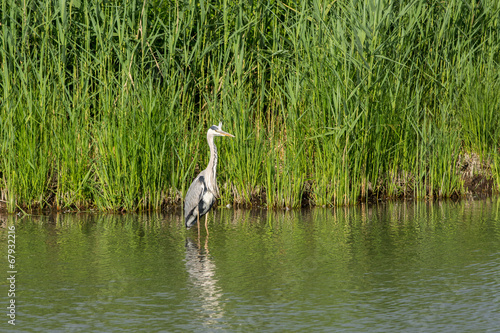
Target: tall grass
<point>106,103</point>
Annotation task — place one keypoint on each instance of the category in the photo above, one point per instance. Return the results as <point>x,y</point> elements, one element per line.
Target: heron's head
<point>215,130</point>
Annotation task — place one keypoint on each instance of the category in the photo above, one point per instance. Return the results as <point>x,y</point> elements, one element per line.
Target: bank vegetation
<point>105,104</point>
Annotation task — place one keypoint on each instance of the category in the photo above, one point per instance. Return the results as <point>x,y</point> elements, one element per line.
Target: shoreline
<point>476,185</point>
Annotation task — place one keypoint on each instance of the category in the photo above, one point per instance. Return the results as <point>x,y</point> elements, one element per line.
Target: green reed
<point>105,104</point>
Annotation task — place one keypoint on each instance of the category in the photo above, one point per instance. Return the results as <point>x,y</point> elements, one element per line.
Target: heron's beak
<point>221,132</point>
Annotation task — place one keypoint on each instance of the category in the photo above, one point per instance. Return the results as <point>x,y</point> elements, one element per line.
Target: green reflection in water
<point>398,266</point>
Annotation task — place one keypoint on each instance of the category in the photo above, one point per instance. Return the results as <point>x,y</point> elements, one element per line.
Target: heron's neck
<point>212,164</point>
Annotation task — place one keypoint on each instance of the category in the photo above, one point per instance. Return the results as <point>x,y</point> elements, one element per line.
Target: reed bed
<point>105,104</point>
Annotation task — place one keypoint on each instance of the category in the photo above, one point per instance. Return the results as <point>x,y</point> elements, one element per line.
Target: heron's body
<point>203,192</point>
<point>199,198</point>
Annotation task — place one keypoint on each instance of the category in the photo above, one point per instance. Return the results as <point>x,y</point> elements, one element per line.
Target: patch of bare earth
<point>476,174</point>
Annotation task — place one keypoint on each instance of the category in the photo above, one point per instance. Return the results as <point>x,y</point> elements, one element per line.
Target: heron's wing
<point>194,195</point>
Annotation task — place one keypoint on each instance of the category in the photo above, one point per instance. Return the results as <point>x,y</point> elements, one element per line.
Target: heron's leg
<point>206,246</point>
<point>198,221</point>
<point>206,223</point>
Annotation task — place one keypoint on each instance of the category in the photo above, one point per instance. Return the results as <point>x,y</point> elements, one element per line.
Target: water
<point>413,267</point>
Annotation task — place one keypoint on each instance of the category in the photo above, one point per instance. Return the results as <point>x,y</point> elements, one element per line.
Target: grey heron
<point>203,192</point>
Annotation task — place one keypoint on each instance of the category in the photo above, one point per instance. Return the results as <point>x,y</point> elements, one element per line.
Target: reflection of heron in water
<point>201,272</point>
<point>203,192</point>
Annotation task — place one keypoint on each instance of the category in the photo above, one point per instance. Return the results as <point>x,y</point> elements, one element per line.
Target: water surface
<point>415,267</point>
